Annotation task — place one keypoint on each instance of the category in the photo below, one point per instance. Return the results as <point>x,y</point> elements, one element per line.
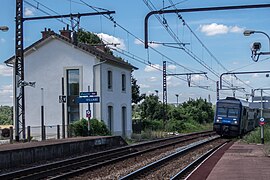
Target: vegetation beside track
<point>255,137</point>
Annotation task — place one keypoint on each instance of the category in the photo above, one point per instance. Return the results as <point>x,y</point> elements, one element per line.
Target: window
<point>124,119</point>
<point>109,79</point>
<point>123,82</point>
<point>73,84</point>
<point>222,111</point>
<point>110,118</point>
<point>232,112</point>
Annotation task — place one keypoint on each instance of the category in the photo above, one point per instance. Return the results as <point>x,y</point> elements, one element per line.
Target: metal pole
<point>63,111</point>
<point>262,133</point>
<point>42,115</point>
<point>89,109</point>
<point>11,135</point>
<point>217,90</point>
<point>265,35</point>
<point>58,131</point>
<point>28,133</point>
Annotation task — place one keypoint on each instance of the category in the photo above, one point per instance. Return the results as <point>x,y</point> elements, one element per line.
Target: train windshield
<point>224,110</point>
<point>232,112</point>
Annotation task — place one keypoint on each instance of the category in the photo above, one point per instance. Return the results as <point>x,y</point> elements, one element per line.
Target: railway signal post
<point>262,119</point>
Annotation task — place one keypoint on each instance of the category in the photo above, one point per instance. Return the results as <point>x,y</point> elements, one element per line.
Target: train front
<point>227,117</point>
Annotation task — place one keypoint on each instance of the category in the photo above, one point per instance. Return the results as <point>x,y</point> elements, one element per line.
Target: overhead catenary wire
<point>111,19</point>
<point>203,45</point>
<point>189,51</point>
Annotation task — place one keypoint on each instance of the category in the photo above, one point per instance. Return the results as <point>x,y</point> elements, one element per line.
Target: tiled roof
<point>84,47</point>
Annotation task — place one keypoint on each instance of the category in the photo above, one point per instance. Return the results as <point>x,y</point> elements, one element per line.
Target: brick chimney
<point>46,33</point>
<point>66,33</point>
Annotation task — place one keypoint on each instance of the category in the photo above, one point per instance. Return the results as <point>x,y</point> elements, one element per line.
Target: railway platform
<point>18,154</point>
<point>236,161</point>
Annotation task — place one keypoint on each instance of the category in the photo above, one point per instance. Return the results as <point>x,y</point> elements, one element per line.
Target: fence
<point>33,133</point>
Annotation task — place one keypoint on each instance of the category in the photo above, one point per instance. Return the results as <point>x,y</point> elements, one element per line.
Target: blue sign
<point>87,99</point>
<point>94,93</point>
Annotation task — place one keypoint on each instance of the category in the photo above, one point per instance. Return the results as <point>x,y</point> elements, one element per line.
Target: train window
<point>222,112</point>
<point>232,112</point>
<point>245,112</point>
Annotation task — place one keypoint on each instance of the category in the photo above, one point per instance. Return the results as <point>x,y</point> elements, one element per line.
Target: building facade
<point>60,67</point>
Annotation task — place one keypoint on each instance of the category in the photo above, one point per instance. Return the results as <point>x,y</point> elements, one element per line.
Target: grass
<point>255,137</point>
<point>149,134</point>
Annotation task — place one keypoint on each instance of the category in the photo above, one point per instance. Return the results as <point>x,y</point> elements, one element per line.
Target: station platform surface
<point>242,162</point>
<point>15,145</point>
<point>22,154</point>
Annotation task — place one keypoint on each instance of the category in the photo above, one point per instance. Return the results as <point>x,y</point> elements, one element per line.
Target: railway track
<point>78,165</point>
<point>155,169</point>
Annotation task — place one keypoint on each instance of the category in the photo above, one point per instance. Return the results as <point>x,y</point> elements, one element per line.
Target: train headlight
<point>218,120</point>
<point>235,122</point>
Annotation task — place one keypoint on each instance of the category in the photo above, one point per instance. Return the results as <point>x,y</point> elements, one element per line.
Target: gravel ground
<point>114,171</point>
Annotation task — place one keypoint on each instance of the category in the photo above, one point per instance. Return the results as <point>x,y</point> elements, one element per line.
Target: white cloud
<point>29,11</point>
<point>152,68</point>
<point>153,79</point>
<point>247,82</point>
<point>255,75</point>
<point>6,92</point>
<point>141,42</point>
<point>197,77</point>
<point>144,86</point>
<point>5,71</point>
<point>111,39</point>
<point>215,29</point>
<point>171,67</point>
<point>236,29</point>
<point>2,40</point>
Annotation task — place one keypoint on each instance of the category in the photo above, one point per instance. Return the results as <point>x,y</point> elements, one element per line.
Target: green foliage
<point>98,128</point>
<point>151,108</point>
<point>191,116</point>
<point>88,37</point>
<point>175,126</point>
<point>199,110</point>
<point>6,117</point>
<point>80,128</point>
<point>255,136</point>
<point>92,39</point>
<point>136,97</point>
<point>152,125</point>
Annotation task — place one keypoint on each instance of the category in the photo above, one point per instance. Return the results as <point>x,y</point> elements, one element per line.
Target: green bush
<point>80,128</point>
<point>98,128</point>
<point>255,136</point>
<point>175,126</point>
<point>152,124</point>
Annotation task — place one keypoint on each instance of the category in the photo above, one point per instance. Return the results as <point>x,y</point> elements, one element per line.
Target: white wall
<point>46,65</point>
<point>116,98</point>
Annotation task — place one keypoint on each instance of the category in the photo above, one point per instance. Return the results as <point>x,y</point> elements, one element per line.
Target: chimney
<point>66,33</point>
<point>46,33</point>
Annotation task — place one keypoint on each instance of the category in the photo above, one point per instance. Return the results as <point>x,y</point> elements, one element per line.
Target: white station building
<point>82,68</point>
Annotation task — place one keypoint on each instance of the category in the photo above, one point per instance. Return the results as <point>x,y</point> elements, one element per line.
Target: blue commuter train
<point>234,117</point>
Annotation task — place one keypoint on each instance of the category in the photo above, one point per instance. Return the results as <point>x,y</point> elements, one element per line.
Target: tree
<point>88,37</point>
<point>6,115</point>
<point>92,39</point>
<point>136,97</point>
<point>151,108</point>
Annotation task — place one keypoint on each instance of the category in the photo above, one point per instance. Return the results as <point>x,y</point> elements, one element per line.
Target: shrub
<point>98,128</point>
<point>80,128</point>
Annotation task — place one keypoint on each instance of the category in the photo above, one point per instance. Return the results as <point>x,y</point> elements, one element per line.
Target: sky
<point>194,42</point>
